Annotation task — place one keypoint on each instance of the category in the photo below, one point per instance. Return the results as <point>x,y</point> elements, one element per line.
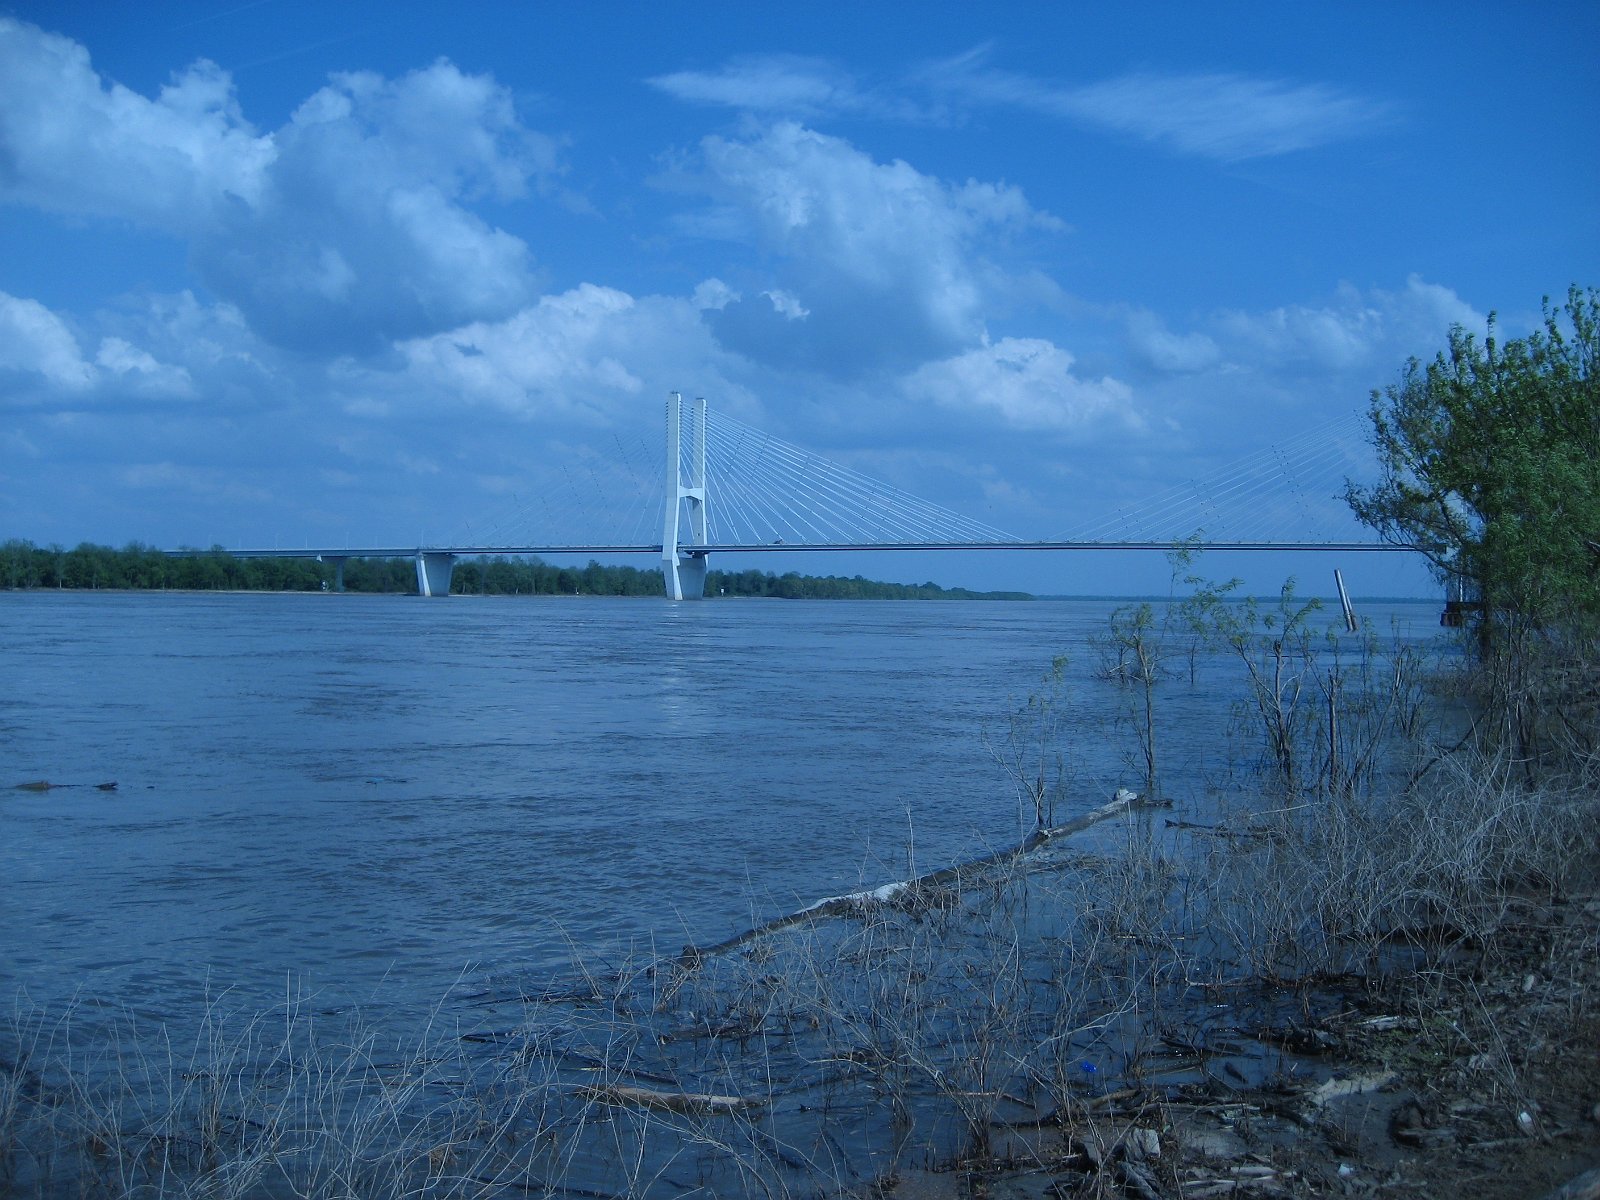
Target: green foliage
<point>90,567</point>
<point>501,576</point>
<point>1491,466</point>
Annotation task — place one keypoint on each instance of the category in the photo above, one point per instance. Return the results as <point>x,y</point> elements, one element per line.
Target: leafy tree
<point>1491,467</point>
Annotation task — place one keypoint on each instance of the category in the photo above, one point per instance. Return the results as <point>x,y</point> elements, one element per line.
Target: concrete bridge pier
<point>688,581</point>
<point>434,568</point>
<point>338,570</point>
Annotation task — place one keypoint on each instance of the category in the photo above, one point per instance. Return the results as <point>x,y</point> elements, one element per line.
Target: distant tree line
<point>794,586</point>
<point>87,566</point>
<point>24,565</point>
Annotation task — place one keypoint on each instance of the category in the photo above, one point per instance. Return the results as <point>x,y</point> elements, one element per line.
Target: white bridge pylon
<point>683,567</point>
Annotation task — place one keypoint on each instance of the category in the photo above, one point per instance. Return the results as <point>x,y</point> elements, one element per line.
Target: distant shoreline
<point>950,594</point>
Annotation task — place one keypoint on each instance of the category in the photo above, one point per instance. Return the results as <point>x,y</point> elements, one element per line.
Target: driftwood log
<point>857,902</point>
<point>678,1102</point>
<point>44,785</point>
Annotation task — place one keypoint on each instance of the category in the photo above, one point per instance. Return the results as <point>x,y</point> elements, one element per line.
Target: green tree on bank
<point>1491,467</point>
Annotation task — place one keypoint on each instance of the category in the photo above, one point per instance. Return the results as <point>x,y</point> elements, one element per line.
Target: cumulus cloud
<point>38,352</point>
<point>887,264</point>
<point>556,355</point>
<point>346,229</point>
<point>1029,383</point>
<point>713,294</point>
<point>1174,353</point>
<point>70,142</point>
<point>139,369</point>
<point>1355,330</point>
<point>360,236</point>
<point>43,365</point>
<point>583,356</point>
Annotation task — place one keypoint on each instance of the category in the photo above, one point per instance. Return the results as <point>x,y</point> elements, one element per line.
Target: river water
<point>374,798</point>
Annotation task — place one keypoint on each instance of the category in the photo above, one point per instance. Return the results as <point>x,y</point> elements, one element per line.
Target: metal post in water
<point>1350,622</point>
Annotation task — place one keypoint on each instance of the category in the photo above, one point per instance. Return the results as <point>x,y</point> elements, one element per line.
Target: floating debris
<point>44,785</point>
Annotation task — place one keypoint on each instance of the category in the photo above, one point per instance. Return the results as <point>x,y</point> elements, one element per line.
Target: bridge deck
<point>331,552</point>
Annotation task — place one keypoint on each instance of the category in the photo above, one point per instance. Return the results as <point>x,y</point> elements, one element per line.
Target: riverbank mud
<point>1478,1079</point>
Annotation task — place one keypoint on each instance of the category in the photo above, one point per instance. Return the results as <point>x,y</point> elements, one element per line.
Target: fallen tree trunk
<point>856,902</point>
<point>678,1102</point>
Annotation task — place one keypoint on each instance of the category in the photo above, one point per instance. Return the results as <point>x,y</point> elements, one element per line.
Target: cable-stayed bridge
<point>724,487</point>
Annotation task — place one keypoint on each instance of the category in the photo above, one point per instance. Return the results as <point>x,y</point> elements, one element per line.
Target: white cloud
<point>1174,353</point>
<point>124,361</point>
<point>1227,117</point>
<point>791,85</point>
<point>1424,311</point>
<point>1218,115</point>
<point>74,144</point>
<point>1356,330</point>
<point>213,344</point>
<point>347,228</point>
<point>36,347</point>
<point>787,305</point>
<point>892,265</point>
<point>150,352</point>
<point>544,358</point>
<point>585,356</point>
<point>459,132</point>
<point>362,236</point>
<point>1029,383</point>
<point>1221,115</point>
<point>782,83</point>
<point>713,294</point>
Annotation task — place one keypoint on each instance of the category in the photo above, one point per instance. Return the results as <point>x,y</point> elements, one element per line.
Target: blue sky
<point>294,273</point>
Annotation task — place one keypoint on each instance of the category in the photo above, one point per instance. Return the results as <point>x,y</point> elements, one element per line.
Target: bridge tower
<point>683,567</point>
